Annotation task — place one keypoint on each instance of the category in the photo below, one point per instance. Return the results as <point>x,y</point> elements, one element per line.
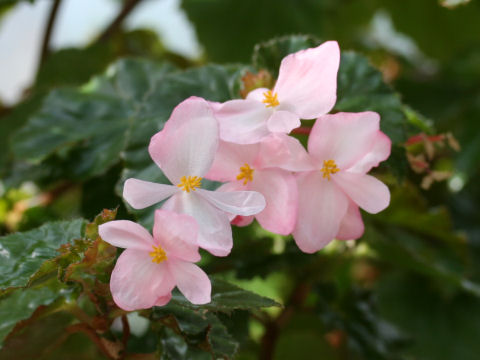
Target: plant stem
<point>274,327</point>
<point>48,31</point>
<point>117,22</point>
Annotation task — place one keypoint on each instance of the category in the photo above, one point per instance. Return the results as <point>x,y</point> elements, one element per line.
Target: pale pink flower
<point>185,150</point>
<point>249,167</point>
<point>343,147</point>
<point>150,267</point>
<point>305,89</point>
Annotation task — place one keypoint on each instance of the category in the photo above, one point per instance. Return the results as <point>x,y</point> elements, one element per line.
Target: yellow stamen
<point>190,183</point>
<point>246,173</point>
<point>158,254</point>
<point>329,167</point>
<point>271,99</point>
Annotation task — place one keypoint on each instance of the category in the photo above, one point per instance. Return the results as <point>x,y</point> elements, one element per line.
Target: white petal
<point>235,202</point>
<point>140,194</point>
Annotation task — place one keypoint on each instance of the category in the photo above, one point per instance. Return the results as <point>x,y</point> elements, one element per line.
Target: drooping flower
<point>150,267</point>
<point>305,89</point>
<point>185,150</point>
<point>258,167</point>
<point>343,148</point>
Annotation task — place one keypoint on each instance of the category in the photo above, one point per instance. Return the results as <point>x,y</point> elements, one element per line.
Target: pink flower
<point>246,167</point>
<point>150,267</point>
<point>305,89</point>
<point>185,150</point>
<point>343,147</point>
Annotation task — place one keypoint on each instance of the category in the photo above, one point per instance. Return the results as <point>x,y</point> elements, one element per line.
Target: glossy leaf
<point>227,297</point>
<point>22,255</point>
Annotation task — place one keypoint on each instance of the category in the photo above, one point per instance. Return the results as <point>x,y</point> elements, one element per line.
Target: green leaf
<point>227,297</point>
<point>361,88</point>
<point>21,304</point>
<point>37,337</point>
<point>430,318</point>
<point>268,55</point>
<point>413,237</point>
<point>89,130</point>
<point>229,29</point>
<point>199,329</point>
<point>22,255</point>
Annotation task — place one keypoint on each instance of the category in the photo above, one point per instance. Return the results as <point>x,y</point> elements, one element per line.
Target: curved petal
<point>140,194</point>
<point>280,190</point>
<point>229,158</point>
<point>242,220</point>
<point>285,152</point>
<point>214,231</point>
<point>191,281</point>
<point>366,191</point>
<point>352,226</point>
<point>283,121</point>
<point>307,80</point>
<point>163,300</point>
<point>257,94</point>
<point>321,208</point>
<point>137,283</point>
<point>235,202</point>
<point>380,151</point>
<point>343,137</point>
<point>126,234</point>
<point>187,144</point>
<point>243,121</point>
<point>177,235</point>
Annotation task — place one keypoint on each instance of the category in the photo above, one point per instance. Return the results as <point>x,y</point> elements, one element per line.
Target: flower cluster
<point>313,193</point>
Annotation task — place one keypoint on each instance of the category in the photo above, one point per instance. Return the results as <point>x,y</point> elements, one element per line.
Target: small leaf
<point>227,297</point>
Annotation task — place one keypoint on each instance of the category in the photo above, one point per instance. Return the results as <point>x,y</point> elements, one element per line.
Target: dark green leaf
<point>21,304</point>
<point>227,297</point>
<point>22,255</point>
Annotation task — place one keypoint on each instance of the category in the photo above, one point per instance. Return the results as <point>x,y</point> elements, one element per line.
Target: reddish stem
<point>302,130</point>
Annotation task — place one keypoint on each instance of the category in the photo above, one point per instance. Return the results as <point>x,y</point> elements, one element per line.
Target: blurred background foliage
<point>408,289</point>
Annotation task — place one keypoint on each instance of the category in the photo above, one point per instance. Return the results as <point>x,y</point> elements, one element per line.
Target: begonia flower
<point>248,167</point>
<point>305,89</point>
<point>151,266</point>
<point>185,151</point>
<point>343,147</point>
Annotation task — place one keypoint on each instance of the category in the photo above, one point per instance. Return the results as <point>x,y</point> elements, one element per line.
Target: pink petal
<point>137,282</point>
<point>343,137</point>
<point>163,300</point>
<point>140,194</point>
<point>242,220</point>
<point>285,152</point>
<point>352,225</point>
<point>229,158</point>
<point>191,281</point>
<point>283,121</point>
<point>126,234</point>
<point>187,144</point>
<point>307,80</point>
<point>366,191</point>
<point>235,202</point>
<point>280,190</point>
<point>214,231</point>
<point>380,151</point>
<point>243,121</point>
<point>321,208</point>
<point>177,234</point>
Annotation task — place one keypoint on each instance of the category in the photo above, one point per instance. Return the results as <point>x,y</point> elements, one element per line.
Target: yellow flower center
<point>246,173</point>
<point>329,167</point>
<point>190,183</point>
<point>158,254</point>
<point>271,99</point>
